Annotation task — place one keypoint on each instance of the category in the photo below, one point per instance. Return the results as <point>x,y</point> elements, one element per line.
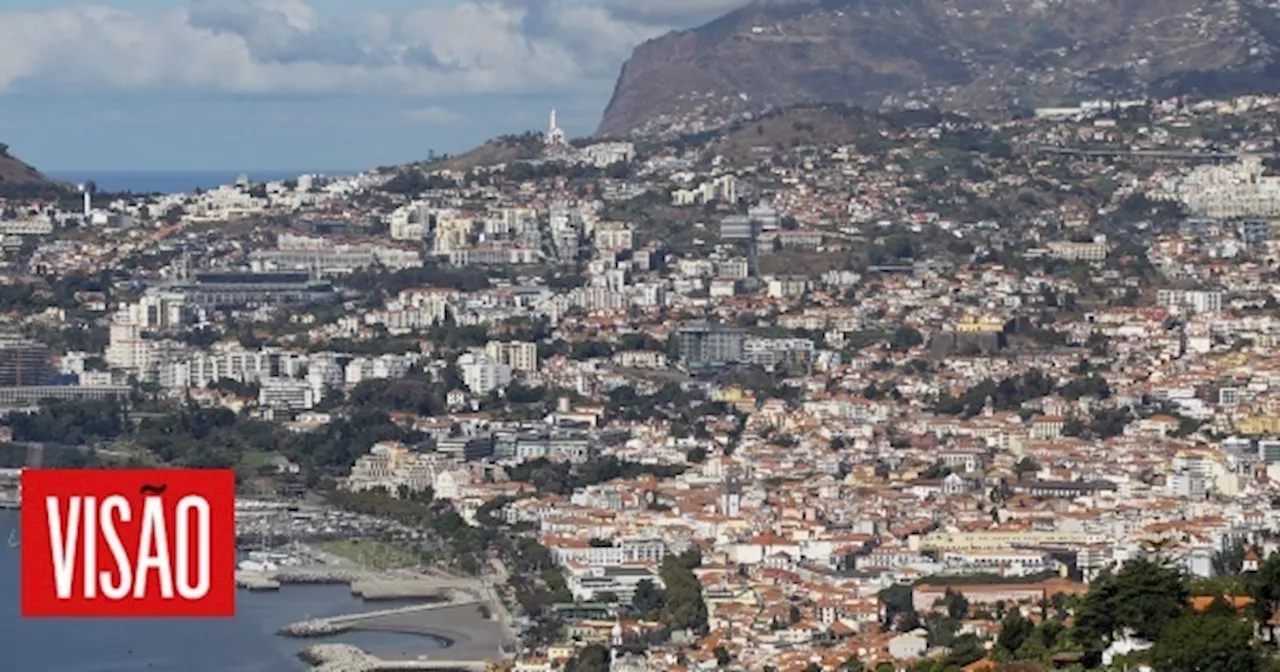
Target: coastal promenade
<point>323,627</point>
<point>347,658</point>
<point>371,585</point>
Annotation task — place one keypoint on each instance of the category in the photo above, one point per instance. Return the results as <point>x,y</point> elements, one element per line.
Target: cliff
<point>973,56</point>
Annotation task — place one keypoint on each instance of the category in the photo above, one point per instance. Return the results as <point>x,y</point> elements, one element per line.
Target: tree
<point>174,215</point>
<point>937,470</point>
<point>1229,559</point>
<point>1143,597</point>
<point>896,600</point>
<point>722,656</point>
<point>964,650</point>
<point>909,621</point>
<point>592,658</point>
<point>905,338</point>
<point>1014,631</point>
<point>1265,589</point>
<point>647,598</point>
<point>685,607</point>
<point>1207,643</point>
<point>956,604</point>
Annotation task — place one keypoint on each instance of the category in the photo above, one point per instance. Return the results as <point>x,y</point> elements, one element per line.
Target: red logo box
<point>128,542</point>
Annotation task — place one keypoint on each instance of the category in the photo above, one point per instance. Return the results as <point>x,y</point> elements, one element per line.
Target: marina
<point>461,621</point>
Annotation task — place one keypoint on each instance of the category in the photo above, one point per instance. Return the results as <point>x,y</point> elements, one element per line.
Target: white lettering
<point>112,590</point>
<point>62,542</point>
<point>153,551</point>
<point>200,506</point>
<point>90,547</point>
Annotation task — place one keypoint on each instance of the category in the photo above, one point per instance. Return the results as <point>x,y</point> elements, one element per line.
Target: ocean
<point>246,643</point>
<point>172,182</point>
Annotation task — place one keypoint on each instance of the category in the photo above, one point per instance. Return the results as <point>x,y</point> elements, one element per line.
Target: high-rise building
<point>24,362</point>
<point>481,373</point>
<point>519,355</point>
<point>710,345</point>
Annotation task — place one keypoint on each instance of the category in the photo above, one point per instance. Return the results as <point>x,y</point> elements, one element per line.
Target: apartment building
<point>617,552</point>
<point>1190,301</point>
<point>286,394</point>
<point>390,465</point>
<point>1093,252</point>
<point>519,355</point>
<point>710,345</point>
<point>483,374</point>
<point>1239,190</point>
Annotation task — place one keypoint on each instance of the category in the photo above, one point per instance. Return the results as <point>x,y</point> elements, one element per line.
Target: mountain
<point>974,56</point>
<point>17,179</point>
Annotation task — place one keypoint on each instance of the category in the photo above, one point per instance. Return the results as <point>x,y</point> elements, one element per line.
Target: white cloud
<point>286,46</point>
<point>432,114</point>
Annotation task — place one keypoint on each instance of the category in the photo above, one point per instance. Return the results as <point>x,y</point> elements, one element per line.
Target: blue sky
<point>306,84</point>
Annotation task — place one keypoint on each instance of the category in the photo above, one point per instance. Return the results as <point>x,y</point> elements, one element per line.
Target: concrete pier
<point>255,581</point>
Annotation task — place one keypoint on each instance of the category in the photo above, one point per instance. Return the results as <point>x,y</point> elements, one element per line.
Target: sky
<point>117,85</point>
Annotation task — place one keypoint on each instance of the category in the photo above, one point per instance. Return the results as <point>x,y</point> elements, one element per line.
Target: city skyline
<point>291,84</point>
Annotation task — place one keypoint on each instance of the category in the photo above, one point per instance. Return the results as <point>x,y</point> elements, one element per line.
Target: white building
<point>519,355</point>
<point>1190,301</point>
<point>613,236</point>
<point>1093,252</point>
<point>483,374</point>
<point>391,465</point>
<point>589,583</point>
<point>285,394</point>
<point>1232,191</point>
<point>605,154</point>
<point>36,226</point>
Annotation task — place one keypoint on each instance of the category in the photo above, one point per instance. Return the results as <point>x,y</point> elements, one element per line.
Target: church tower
<point>731,495</point>
<point>615,643</point>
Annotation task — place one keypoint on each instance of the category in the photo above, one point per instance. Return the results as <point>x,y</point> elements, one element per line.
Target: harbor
<point>463,614</point>
<point>460,621</point>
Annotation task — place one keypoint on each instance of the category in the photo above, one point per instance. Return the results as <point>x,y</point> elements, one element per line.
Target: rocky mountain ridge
<point>974,56</point>
<point>18,179</point>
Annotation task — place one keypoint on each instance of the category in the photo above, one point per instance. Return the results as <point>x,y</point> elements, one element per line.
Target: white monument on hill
<point>555,134</point>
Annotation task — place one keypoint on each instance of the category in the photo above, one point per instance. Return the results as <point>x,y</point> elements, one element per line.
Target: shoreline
<point>448,611</point>
<point>348,658</point>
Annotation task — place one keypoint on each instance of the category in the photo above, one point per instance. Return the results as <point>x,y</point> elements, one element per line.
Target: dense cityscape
<point>818,389</point>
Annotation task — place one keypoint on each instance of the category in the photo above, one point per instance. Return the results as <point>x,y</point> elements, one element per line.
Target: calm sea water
<point>246,643</point>
<point>172,182</point>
